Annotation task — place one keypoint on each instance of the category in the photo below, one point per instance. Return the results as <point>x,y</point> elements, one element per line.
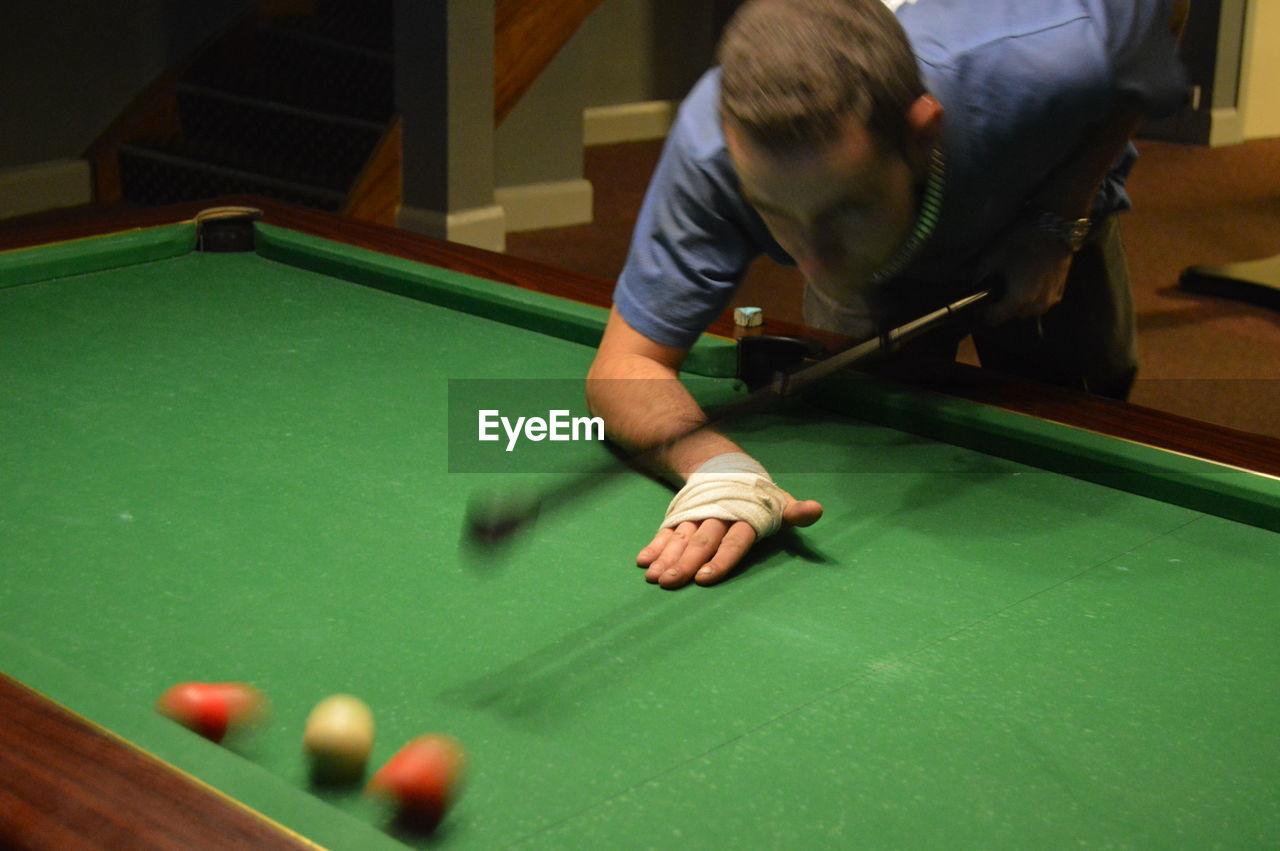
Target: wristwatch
<point>1072,232</point>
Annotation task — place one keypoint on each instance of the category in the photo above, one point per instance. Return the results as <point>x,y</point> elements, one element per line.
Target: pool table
<point>1027,619</point>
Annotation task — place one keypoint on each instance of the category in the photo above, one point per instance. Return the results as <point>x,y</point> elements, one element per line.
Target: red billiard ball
<point>422,778</point>
<point>211,709</point>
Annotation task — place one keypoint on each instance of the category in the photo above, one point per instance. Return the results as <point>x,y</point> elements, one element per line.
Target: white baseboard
<point>481,227</point>
<point>1226,127</point>
<point>44,186</point>
<point>546,205</point>
<point>628,122</point>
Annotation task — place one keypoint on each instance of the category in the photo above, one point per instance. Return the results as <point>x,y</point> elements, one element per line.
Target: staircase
<point>298,104</point>
<point>287,107</point>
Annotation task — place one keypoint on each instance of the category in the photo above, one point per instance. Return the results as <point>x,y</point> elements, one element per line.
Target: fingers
<point>1021,304</point>
<point>802,512</point>
<point>1000,312</point>
<point>689,547</point>
<point>1034,309</point>
<point>655,548</point>
<point>707,551</point>
<point>1033,266</point>
<point>733,546</point>
<point>1016,302</point>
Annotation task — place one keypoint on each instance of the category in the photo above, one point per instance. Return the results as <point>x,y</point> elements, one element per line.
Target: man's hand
<point>649,411</point>
<point>1033,266</point>
<point>705,551</point>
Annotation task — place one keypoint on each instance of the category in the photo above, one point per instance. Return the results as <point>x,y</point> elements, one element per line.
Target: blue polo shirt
<point>1019,81</point>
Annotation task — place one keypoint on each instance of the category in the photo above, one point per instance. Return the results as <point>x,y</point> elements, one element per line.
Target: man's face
<point>840,210</point>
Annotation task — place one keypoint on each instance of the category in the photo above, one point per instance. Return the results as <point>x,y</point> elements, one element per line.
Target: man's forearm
<point>644,405</point>
<point>1070,190</point>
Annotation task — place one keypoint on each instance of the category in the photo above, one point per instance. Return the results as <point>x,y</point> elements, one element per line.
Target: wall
<point>541,139</point>
<point>1260,73</point>
<point>538,149</point>
<point>70,66</point>
<point>68,69</point>
<point>643,50</point>
<point>627,52</point>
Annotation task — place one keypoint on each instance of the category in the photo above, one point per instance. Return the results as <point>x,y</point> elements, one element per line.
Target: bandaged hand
<point>730,487</point>
<point>726,505</point>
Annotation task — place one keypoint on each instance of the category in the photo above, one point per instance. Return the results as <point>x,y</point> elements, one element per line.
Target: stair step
<point>260,104</point>
<point>255,135</point>
<point>244,157</point>
<point>289,109</point>
<point>272,66</point>
<point>307,33</point>
<point>155,177</point>
<point>366,24</point>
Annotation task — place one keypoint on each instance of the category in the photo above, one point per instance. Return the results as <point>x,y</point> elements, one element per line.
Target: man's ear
<point>924,118</point>
<point>924,131</point>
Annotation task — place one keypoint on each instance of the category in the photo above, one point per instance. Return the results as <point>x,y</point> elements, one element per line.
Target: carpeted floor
<point>1204,357</point>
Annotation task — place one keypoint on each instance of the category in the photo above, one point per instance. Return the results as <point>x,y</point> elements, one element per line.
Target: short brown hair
<point>793,71</point>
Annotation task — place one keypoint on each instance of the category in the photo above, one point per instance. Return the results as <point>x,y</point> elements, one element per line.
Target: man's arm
<point>634,386</point>
<point>1035,264</point>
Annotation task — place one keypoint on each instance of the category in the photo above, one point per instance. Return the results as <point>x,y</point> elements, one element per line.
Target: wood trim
<point>527,36</point>
<point>377,192</point>
<point>105,170</point>
<point>1257,453</point>
<point>153,113</point>
<point>64,784</point>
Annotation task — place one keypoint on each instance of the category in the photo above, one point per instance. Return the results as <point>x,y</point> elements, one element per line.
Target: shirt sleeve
<point>1144,64</point>
<point>1144,53</point>
<point>694,237</point>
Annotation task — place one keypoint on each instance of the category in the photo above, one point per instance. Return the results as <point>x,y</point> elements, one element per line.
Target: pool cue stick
<point>493,523</point>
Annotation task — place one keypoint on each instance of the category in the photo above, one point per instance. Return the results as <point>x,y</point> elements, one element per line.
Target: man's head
<point>829,128</point>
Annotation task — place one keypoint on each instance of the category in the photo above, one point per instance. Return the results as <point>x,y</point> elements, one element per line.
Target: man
<point>898,158</point>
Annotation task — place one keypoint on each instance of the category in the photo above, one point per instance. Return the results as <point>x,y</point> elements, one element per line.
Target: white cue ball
<point>339,738</point>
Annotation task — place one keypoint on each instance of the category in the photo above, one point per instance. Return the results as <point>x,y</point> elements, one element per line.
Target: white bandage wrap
<point>729,487</point>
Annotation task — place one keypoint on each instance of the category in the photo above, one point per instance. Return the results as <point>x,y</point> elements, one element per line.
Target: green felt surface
<point>226,467</point>
<point>1132,706</point>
